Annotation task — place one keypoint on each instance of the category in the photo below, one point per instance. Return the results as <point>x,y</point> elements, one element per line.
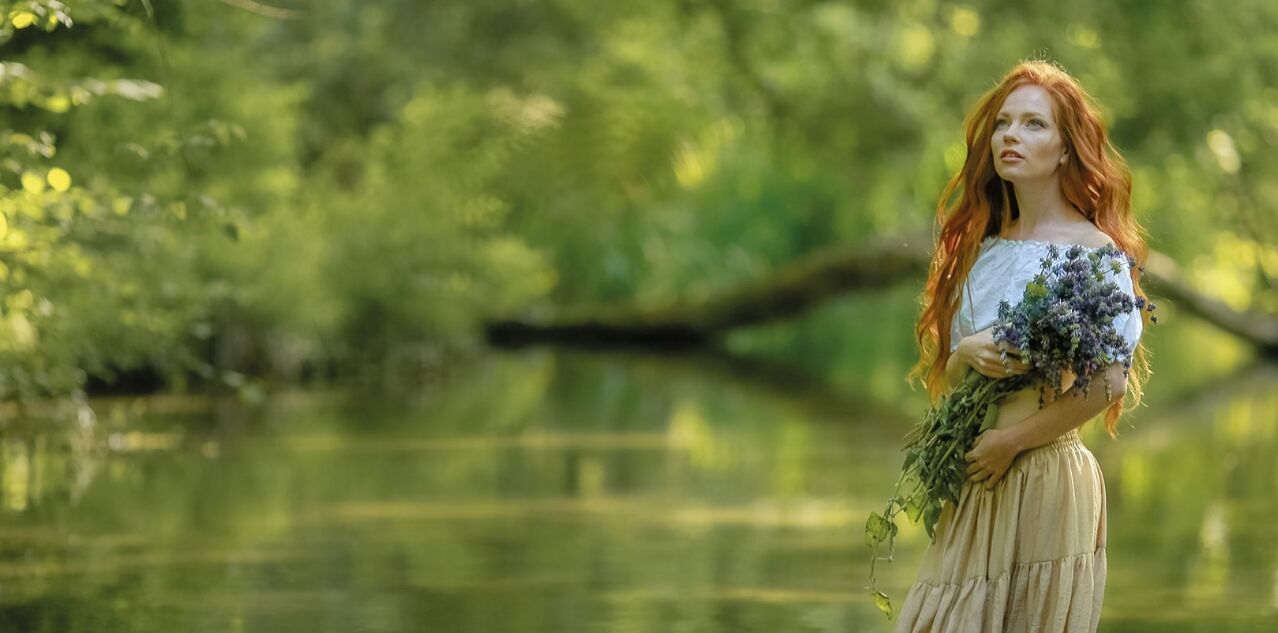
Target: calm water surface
<point>562,492</point>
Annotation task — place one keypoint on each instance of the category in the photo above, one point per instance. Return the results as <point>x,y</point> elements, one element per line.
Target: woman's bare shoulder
<point>1092,237</point>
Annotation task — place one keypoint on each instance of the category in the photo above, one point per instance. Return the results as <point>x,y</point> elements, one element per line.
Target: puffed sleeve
<point>1128,324</point>
<point>955,334</point>
<point>961,323</point>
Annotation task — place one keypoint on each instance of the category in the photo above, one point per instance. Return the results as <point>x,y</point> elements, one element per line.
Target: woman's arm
<point>995,449</point>
<point>1068,411</point>
<point>978,352</point>
<point>955,369</point>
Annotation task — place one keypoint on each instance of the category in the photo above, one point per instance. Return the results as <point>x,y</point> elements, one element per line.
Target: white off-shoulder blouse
<point>1001,271</point>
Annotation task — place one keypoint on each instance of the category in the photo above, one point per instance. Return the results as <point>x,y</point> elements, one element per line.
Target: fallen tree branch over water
<point>875,264</point>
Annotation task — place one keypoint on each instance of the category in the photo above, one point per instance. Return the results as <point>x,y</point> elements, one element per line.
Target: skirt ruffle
<point>1027,555</point>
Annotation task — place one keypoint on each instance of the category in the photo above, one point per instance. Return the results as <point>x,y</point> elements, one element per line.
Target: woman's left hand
<point>990,457</point>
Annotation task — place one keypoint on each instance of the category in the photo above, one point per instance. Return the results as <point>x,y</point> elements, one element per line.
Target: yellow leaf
<point>24,333</point>
<point>21,300</point>
<point>883,603</point>
<point>59,179</point>
<point>22,19</point>
<point>58,103</point>
<point>32,182</point>
<point>965,21</point>
<point>121,205</point>
<point>4,225</point>
<point>33,210</point>
<point>16,240</point>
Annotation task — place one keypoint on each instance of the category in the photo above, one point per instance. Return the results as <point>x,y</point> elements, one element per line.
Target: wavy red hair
<point>1095,179</point>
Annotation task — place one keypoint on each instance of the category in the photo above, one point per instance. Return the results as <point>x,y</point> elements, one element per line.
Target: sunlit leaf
<point>879,528</point>
<point>16,240</point>
<point>59,179</point>
<point>120,206</point>
<point>20,300</point>
<point>136,89</point>
<point>914,507</point>
<point>965,21</point>
<point>32,182</point>
<point>883,603</point>
<point>22,331</point>
<point>22,19</point>
<point>57,103</point>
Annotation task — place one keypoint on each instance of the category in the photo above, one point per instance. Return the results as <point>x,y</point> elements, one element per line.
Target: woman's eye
<point>1036,121</point>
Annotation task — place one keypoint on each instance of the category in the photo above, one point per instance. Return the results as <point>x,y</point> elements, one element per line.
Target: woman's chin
<point>1017,177</point>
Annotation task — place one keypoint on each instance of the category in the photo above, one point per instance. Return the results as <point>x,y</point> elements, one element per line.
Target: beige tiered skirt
<point>1027,555</point>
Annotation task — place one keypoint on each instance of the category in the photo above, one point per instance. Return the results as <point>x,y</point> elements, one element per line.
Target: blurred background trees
<point>230,192</point>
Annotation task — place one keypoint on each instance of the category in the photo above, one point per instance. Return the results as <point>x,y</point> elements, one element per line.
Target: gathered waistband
<point>1068,440</point>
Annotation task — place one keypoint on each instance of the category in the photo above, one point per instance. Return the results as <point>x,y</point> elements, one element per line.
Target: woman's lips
<point>1010,157</point>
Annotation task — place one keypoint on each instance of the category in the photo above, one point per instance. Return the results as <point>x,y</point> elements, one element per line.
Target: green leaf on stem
<point>881,601</point>
<point>877,529</point>
<point>914,507</point>
<point>930,517</point>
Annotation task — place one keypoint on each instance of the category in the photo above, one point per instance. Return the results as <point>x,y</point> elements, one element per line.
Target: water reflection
<point>567,492</point>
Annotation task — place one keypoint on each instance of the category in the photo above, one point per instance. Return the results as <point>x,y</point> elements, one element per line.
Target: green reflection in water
<point>561,492</point>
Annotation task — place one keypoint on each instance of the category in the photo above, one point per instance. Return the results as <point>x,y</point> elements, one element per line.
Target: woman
<point>1024,549</point>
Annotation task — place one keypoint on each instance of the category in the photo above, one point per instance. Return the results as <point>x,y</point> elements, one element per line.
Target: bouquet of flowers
<point>1064,321</point>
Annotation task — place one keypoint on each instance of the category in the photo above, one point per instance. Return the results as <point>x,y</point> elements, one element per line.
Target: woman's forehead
<point>1027,100</point>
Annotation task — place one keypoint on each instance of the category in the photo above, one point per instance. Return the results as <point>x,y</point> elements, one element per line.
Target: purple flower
<point>1065,318</point>
<point>1064,322</point>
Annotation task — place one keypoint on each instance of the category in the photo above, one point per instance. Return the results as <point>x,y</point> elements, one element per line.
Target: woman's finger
<point>997,368</point>
<point>995,359</point>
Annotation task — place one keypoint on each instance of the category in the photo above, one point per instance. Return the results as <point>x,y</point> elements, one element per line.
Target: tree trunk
<point>875,264</point>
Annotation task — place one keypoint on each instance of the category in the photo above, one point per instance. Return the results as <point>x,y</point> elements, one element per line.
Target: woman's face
<point>1025,128</point>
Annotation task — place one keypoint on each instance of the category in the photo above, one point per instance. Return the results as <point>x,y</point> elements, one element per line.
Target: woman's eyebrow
<point>1028,113</point>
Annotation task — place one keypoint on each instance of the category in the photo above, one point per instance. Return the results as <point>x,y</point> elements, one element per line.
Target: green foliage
<point>934,468</point>
<point>418,249</point>
<point>56,227</point>
<point>275,194</point>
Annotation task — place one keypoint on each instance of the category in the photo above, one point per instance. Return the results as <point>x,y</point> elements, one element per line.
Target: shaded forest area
<point>224,194</point>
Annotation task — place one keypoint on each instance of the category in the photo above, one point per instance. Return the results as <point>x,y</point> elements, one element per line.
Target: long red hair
<point>1095,179</point>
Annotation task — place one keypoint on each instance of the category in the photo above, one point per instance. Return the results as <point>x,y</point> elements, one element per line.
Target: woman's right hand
<point>981,353</point>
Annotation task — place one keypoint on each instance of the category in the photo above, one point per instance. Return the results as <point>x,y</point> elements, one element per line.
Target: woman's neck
<point>1042,208</point>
